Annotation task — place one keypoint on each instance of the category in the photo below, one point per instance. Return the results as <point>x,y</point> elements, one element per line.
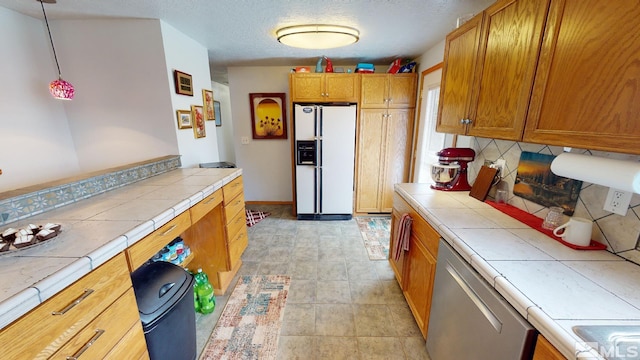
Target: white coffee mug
<point>577,231</point>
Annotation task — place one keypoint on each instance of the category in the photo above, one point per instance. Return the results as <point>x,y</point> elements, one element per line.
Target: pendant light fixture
<point>60,89</point>
<point>317,36</point>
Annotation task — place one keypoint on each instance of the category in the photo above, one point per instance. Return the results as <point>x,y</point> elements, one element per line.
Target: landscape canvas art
<point>535,182</point>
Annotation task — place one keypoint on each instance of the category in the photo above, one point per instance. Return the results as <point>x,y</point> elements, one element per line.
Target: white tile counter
<point>96,229</point>
<point>553,286</point>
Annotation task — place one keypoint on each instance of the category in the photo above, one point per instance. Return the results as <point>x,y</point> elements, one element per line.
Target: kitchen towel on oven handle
<point>402,235</point>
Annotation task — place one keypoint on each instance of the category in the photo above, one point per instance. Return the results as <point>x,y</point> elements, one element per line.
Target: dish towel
<point>402,236</point>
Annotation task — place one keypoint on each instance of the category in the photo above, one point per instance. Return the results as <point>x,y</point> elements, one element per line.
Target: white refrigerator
<point>325,159</point>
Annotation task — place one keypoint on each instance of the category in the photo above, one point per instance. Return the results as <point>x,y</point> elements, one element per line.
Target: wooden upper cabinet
<point>342,87</point>
<point>587,87</point>
<point>489,67</point>
<point>506,67</point>
<point>460,59</point>
<point>324,87</point>
<point>388,91</point>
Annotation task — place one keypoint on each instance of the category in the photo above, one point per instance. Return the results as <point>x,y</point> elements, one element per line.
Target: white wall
<point>266,164</point>
<point>122,110</point>
<point>35,140</point>
<point>226,150</point>
<point>185,54</point>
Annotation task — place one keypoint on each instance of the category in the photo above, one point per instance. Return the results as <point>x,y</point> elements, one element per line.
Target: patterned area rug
<point>375,232</point>
<point>249,326</point>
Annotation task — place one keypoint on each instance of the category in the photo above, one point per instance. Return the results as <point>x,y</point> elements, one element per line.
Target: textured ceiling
<point>242,32</point>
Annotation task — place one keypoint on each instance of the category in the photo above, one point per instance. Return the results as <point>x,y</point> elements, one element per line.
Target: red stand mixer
<point>450,174</point>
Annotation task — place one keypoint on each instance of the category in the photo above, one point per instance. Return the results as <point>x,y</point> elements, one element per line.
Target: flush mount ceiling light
<point>317,36</point>
<point>60,89</point>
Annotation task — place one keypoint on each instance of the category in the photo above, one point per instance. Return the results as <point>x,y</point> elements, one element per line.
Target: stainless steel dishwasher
<point>469,319</point>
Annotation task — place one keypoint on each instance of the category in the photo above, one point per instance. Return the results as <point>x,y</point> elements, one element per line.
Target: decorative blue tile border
<point>37,202</point>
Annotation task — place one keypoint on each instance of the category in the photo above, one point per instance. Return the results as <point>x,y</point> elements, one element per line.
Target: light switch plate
<point>244,140</point>
<point>618,201</point>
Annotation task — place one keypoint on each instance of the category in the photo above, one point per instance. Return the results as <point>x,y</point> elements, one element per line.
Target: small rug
<point>249,326</point>
<point>375,232</point>
<point>254,217</point>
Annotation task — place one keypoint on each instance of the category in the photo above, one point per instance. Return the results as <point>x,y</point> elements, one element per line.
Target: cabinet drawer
<point>144,249</point>
<point>131,346</point>
<point>427,234</point>
<point>237,223</point>
<point>237,246</point>
<point>207,204</point>
<point>232,209</point>
<point>40,333</point>
<point>103,333</point>
<point>232,189</point>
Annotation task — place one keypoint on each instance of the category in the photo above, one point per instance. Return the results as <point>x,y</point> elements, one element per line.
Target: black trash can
<point>164,293</point>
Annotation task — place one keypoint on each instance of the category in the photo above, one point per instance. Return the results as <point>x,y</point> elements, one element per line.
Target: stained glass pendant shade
<point>60,89</point>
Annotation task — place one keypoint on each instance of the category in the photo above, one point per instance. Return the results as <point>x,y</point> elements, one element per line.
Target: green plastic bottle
<point>206,300</point>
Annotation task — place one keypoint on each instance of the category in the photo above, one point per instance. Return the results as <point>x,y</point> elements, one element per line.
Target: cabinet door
<point>460,58</point>
<point>370,159</point>
<point>307,87</point>
<point>512,34</point>
<point>399,129</point>
<point>545,351</point>
<point>402,90</point>
<point>373,91</point>
<point>419,275</point>
<point>342,87</point>
<point>396,265</point>
<point>586,91</point>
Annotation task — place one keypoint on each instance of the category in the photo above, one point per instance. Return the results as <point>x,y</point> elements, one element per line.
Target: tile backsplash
<point>619,233</point>
<point>65,192</point>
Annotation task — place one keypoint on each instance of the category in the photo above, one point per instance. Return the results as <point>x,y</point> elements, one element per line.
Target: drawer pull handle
<point>169,230</point>
<point>86,346</point>
<point>212,199</point>
<point>77,301</point>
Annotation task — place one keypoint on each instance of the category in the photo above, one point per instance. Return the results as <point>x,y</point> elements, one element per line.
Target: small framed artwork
<point>207,99</point>
<point>184,85</point>
<point>268,115</point>
<point>184,119</point>
<point>197,116</point>
<point>216,110</point>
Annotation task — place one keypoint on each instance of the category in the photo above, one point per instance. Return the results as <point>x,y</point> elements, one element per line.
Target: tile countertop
<point>96,229</point>
<point>553,286</point>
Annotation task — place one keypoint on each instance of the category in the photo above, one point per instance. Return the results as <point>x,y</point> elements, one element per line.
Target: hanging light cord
<point>51,39</point>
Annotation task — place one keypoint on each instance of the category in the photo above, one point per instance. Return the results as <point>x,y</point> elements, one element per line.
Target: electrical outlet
<point>501,165</point>
<point>618,201</point>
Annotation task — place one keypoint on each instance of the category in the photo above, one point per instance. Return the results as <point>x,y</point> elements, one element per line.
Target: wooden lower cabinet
<point>62,325</point>
<point>231,236</point>
<point>415,269</point>
<point>420,270</point>
<point>545,351</point>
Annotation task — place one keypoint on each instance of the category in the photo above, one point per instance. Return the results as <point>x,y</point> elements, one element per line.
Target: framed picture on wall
<point>184,119</point>
<point>197,116</point>
<point>268,115</point>
<point>207,99</point>
<point>216,110</point>
<point>184,84</point>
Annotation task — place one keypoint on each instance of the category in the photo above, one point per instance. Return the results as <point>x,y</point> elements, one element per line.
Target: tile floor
<point>341,305</point>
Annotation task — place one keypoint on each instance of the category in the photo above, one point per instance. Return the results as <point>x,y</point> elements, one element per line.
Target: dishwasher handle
<point>493,320</point>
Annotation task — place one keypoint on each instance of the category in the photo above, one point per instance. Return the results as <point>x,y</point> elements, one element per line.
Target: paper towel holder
<point>614,173</point>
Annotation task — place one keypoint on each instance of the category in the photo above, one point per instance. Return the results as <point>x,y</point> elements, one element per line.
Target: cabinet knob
<point>462,121</point>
